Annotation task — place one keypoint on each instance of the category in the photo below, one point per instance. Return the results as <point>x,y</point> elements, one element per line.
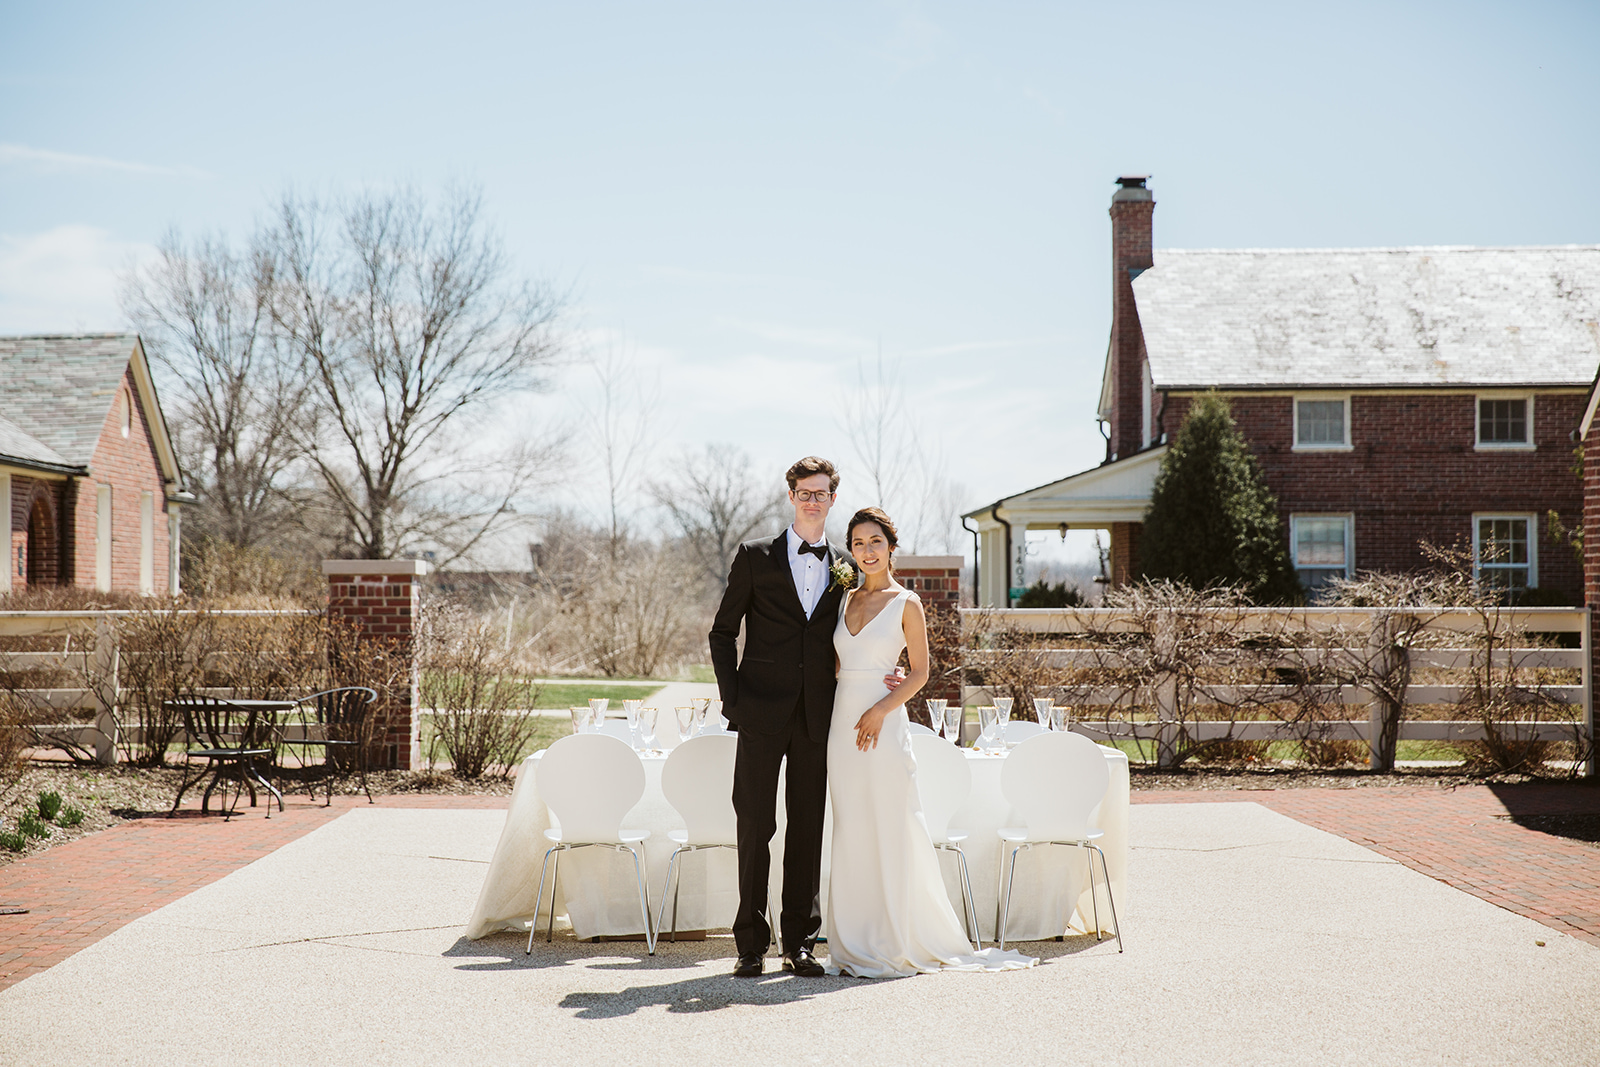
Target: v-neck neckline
<point>870,621</point>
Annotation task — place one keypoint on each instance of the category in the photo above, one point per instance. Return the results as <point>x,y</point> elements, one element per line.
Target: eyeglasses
<point>806,496</point>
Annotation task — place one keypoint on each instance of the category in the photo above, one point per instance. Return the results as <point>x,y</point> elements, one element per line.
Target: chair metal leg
<point>533,927</point>
<point>661,913</point>
<point>1010,882</point>
<point>644,900</point>
<point>555,878</point>
<point>971,915</point>
<point>1116,926</point>
<point>1094,898</point>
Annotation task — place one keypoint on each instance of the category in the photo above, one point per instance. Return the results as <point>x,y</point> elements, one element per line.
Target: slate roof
<point>16,443</point>
<point>58,391</point>
<point>1372,317</point>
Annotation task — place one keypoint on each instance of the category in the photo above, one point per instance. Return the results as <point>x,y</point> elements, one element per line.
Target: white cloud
<point>46,160</point>
<point>63,280</point>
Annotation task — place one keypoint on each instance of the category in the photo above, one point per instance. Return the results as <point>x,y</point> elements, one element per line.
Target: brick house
<point>87,467</point>
<point>1392,396</point>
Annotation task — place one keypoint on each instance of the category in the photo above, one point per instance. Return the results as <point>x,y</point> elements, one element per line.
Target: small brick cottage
<point>87,467</point>
<point>1392,396</point>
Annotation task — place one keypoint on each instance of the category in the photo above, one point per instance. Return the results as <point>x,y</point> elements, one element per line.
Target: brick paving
<point>81,891</point>
<point>1465,836</point>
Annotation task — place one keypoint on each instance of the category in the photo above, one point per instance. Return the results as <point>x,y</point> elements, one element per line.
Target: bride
<point>887,913</point>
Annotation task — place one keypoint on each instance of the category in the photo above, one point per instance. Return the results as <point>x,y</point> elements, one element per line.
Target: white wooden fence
<point>1112,712</point>
<point>90,654</point>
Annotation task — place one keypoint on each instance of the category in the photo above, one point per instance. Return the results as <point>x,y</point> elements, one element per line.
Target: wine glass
<point>647,729</point>
<point>987,718</point>
<point>580,720</point>
<point>1041,711</point>
<point>1061,718</point>
<point>630,708</point>
<point>1002,715</point>
<point>685,721</point>
<point>952,723</point>
<point>936,713</point>
<point>700,706</point>
<point>598,709</point>
<point>714,717</point>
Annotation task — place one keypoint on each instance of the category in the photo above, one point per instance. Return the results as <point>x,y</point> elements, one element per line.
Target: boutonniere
<point>844,575</point>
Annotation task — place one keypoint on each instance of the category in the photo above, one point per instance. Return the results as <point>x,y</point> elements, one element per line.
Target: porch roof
<point>1118,491</point>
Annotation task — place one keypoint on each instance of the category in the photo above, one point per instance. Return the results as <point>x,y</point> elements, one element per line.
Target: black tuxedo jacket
<point>785,653</point>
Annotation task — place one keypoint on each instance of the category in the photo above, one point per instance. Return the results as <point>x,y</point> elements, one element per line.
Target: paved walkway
<point>1466,837</point>
<point>1252,938</point>
<point>80,892</point>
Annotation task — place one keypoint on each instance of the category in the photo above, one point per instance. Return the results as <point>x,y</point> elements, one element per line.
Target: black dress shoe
<point>803,964</point>
<point>748,966</point>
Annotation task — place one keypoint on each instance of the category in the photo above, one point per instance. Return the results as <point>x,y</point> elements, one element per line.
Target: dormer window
<point>1505,422</point>
<point>1321,423</point>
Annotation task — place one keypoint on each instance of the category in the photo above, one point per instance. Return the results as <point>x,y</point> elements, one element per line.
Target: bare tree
<point>204,313</point>
<point>406,318</point>
<point>715,503</point>
<point>617,423</point>
<point>906,476</point>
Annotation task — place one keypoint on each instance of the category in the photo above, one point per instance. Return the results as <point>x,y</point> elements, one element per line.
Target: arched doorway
<point>41,543</point>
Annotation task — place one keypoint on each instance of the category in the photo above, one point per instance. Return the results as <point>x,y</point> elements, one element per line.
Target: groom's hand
<point>892,681</point>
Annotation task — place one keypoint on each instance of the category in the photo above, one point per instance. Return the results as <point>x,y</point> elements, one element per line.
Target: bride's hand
<point>867,729</point>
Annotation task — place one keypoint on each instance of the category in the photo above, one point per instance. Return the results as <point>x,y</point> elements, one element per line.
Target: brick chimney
<point>1132,206</point>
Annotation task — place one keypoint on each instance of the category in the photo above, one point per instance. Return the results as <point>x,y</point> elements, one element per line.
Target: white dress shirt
<point>811,574</point>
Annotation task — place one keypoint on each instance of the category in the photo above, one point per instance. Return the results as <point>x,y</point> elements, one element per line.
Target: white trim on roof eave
<point>167,455</point>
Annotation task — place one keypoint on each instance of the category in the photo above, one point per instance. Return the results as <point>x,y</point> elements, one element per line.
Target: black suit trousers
<point>755,799</point>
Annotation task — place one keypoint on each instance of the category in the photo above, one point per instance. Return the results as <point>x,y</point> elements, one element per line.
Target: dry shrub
<point>481,701</point>
<point>17,715</point>
<point>222,573</point>
<point>164,649</point>
<point>1332,752</point>
<point>636,616</point>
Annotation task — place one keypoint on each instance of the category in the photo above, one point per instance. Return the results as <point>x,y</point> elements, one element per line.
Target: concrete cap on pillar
<point>416,567</point>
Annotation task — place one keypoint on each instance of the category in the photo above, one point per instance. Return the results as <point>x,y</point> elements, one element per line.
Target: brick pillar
<point>1591,560</point>
<point>937,580</point>
<point>1125,552</point>
<point>380,597</point>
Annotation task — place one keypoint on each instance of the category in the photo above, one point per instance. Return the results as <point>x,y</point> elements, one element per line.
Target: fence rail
<point>1102,648</point>
<point>97,661</point>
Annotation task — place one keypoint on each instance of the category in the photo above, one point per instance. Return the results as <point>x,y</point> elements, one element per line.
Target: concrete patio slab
<point>1251,938</point>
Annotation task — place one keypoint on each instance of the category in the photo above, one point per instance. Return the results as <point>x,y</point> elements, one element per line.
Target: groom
<point>780,700</point>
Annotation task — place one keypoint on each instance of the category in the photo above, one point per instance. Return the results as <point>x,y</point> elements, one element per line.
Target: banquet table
<point>598,897</point>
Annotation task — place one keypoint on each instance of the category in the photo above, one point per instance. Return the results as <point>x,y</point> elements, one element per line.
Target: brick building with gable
<point>87,467</point>
<point>1392,396</point>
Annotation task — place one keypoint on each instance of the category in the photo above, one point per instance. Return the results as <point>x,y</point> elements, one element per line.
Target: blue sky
<point>752,198</point>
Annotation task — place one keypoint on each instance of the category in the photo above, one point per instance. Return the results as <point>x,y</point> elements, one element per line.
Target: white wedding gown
<point>887,913</point>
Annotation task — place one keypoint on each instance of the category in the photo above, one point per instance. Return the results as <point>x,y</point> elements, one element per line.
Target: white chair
<point>1055,781</point>
<point>697,781</point>
<point>916,729</point>
<point>589,782</point>
<point>944,781</point>
<point>1020,730</point>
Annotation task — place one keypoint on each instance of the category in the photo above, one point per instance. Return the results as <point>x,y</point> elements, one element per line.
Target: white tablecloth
<point>597,894</point>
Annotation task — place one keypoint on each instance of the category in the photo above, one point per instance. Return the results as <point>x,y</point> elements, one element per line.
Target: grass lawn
<point>547,730</point>
<point>563,695</point>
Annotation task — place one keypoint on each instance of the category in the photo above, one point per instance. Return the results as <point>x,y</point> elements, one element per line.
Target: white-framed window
<point>1322,422</point>
<point>1323,548</point>
<point>1504,421</point>
<point>1505,551</point>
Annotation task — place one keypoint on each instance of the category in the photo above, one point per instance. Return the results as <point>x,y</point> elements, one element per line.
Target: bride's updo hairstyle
<point>884,523</point>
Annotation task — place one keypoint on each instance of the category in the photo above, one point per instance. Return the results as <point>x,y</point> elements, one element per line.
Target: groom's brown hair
<point>805,468</point>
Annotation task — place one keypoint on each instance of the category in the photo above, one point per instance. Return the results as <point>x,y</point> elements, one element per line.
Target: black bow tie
<point>820,551</point>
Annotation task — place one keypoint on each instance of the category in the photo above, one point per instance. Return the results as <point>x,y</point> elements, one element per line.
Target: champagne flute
<point>1061,718</point>
<point>714,716</point>
<point>936,713</point>
<point>1041,710</point>
<point>952,723</point>
<point>580,719</point>
<point>647,731</point>
<point>986,722</point>
<point>700,706</point>
<point>630,710</point>
<point>685,721</point>
<point>1002,716</point>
